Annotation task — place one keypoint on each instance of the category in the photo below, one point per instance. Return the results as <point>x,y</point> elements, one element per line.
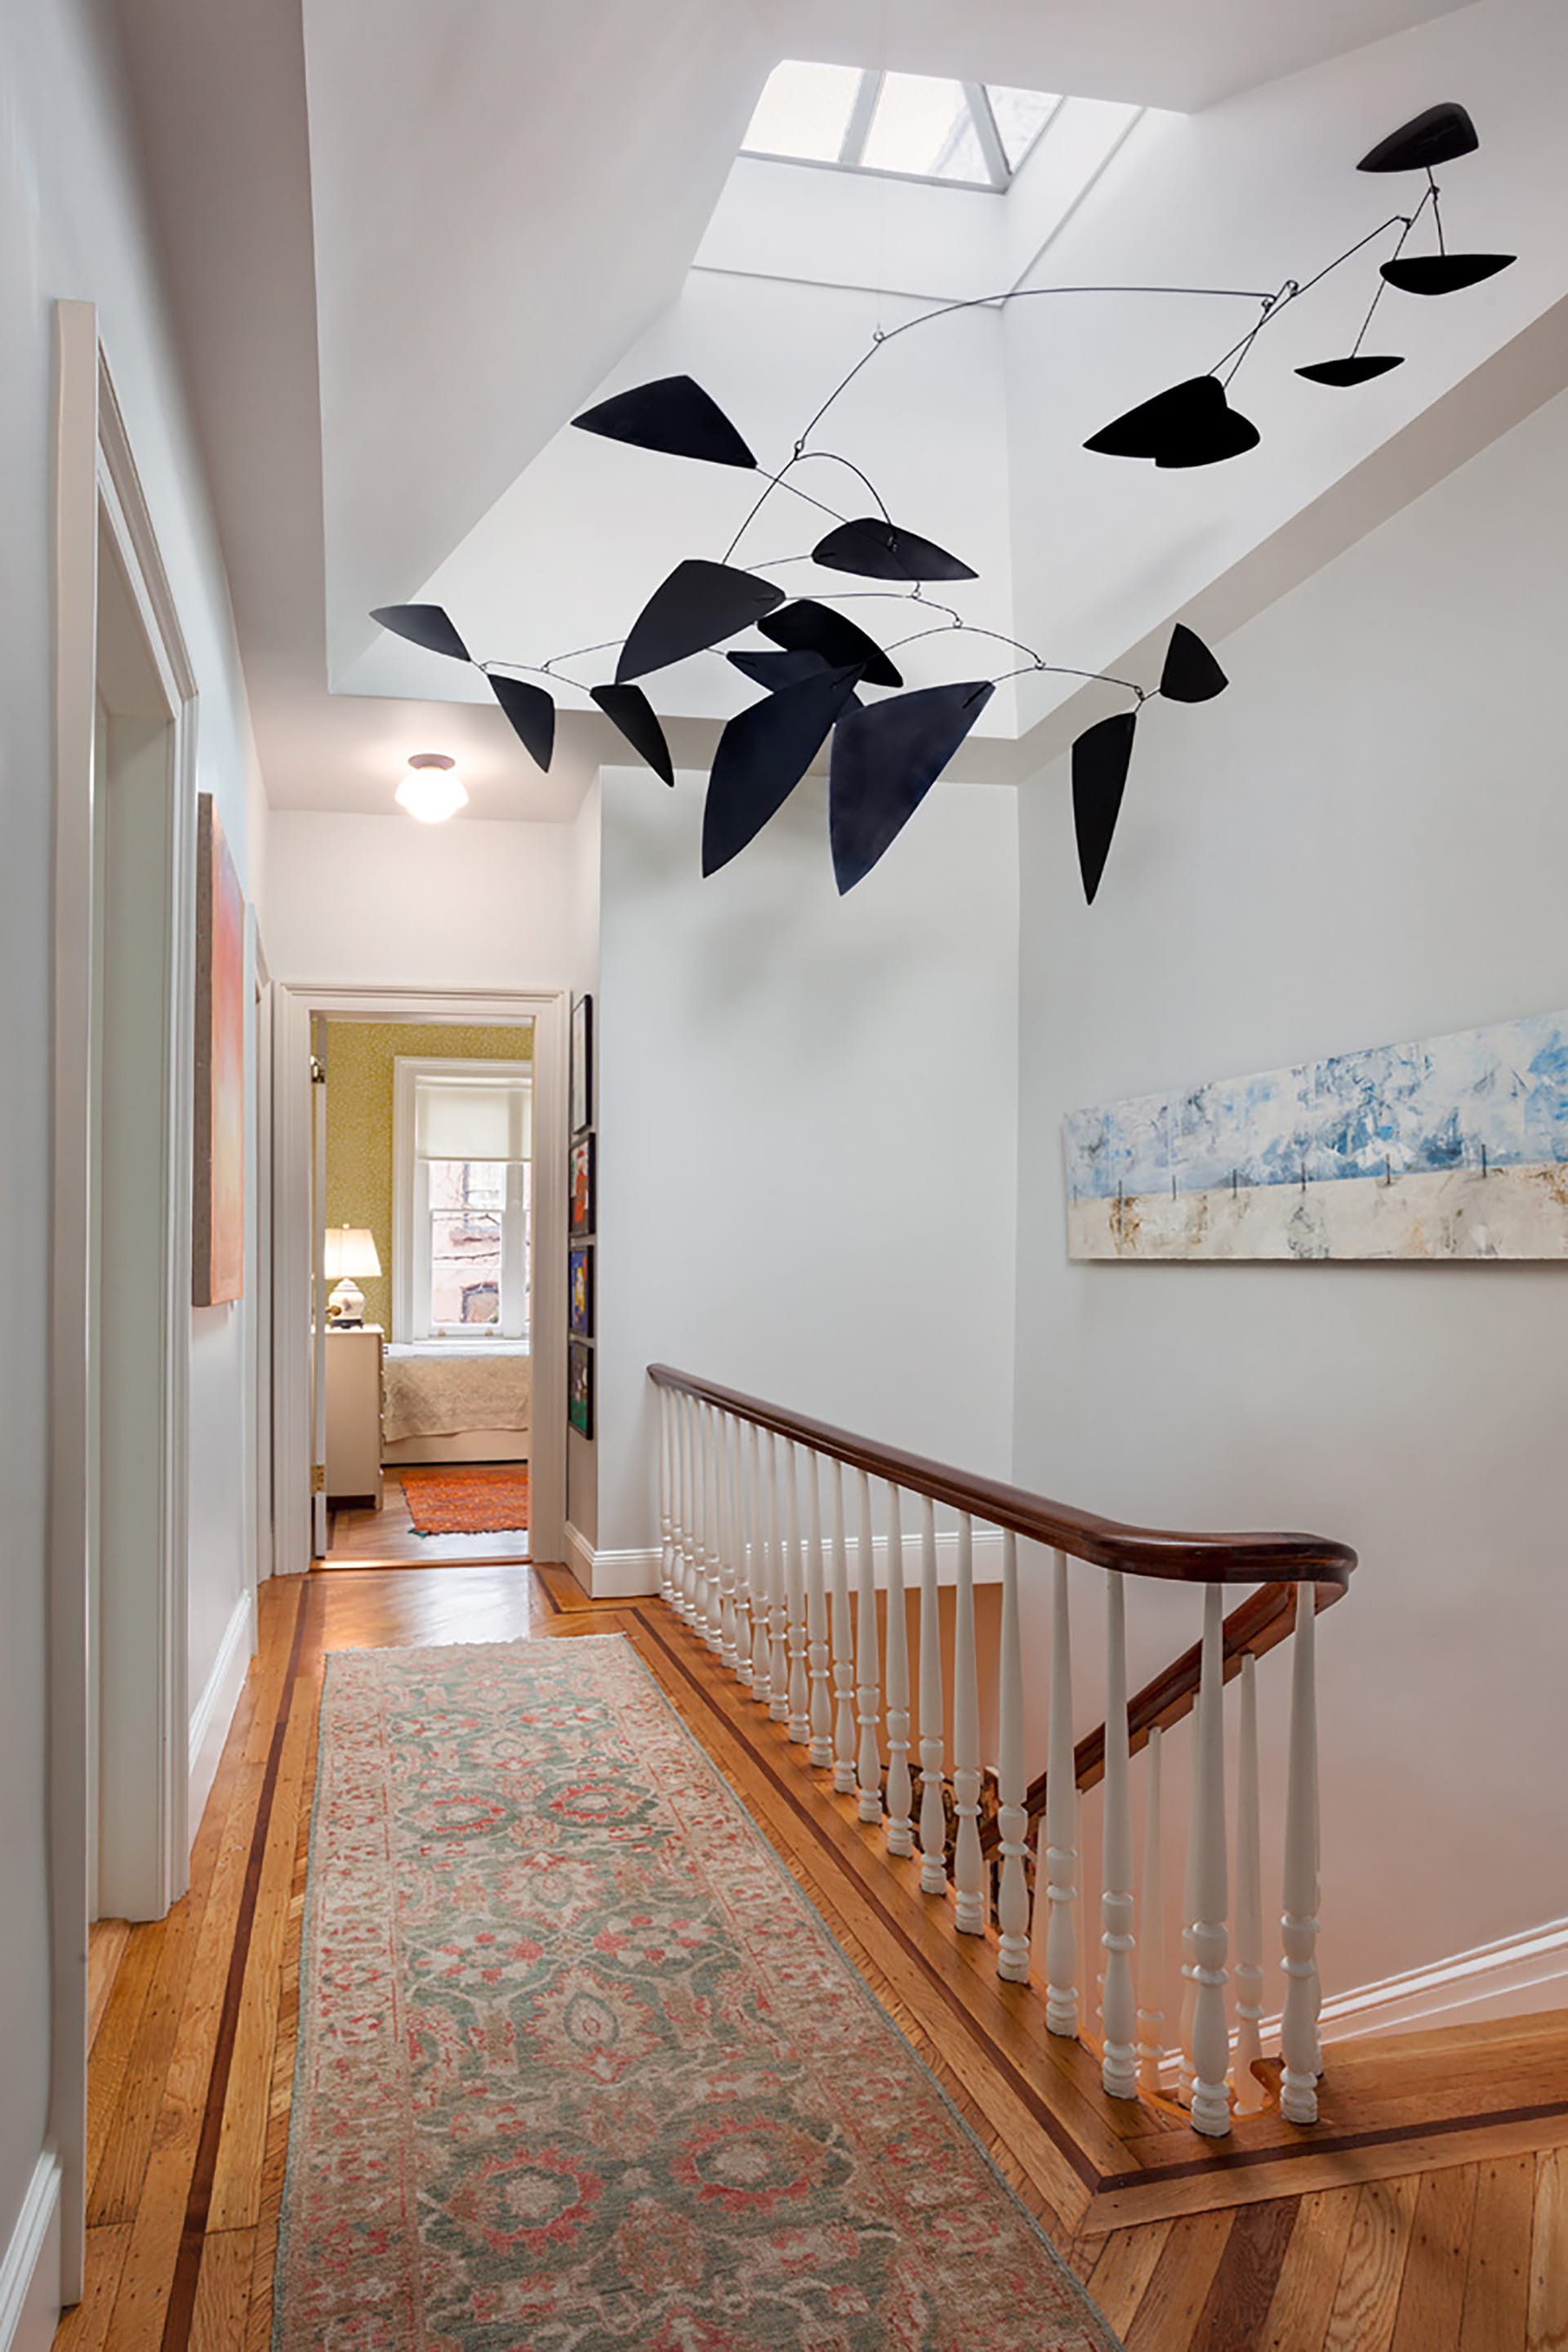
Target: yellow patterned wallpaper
<point>360,1056</point>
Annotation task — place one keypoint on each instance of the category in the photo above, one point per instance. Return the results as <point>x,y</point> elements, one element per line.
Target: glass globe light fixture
<point>431,790</point>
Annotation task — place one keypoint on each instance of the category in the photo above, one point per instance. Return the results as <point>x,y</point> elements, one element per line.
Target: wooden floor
<point>358,1537</point>
<point>1429,2213</point>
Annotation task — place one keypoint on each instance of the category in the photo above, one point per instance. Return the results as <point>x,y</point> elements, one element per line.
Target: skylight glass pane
<point>804,111</point>
<point>922,126</point>
<point>1020,116</point>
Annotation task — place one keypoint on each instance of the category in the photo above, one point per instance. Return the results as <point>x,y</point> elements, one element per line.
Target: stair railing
<point>769,1589</point>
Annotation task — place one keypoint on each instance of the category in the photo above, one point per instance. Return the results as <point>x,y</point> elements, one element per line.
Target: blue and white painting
<point>1453,1148</point>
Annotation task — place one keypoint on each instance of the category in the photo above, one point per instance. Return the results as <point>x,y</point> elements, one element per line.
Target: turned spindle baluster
<point>820,1708</point>
<point>1151,1934</point>
<point>727,1548</point>
<point>686,1601</point>
<point>1056,1857</point>
<point>794,1589</point>
<point>900,1789</point>
<point>761,1578</point>
<point>1210,2050</point>
<point>1298,2024</point>
<point>1118,2010</point>
<point>1245,2088</point>
<point>968,1860</point>
<point>934,1819</point>
<point>666,1501</point>
<point>778,1615</point>
<point>843,1650</point>
<point>742,1661</point>
<point>866,1669</point>
<point>713,1631</point>
<point>1189,1913</point>
<point>1012,1815</point>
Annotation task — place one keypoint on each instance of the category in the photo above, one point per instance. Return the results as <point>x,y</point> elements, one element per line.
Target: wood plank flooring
<point>1429,2214</point>
<point>358,1537</point>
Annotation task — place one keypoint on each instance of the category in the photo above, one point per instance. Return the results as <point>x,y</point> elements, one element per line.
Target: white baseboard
<point>30,2265</point>
<point>214,1711</point>
<point>611,1575</point>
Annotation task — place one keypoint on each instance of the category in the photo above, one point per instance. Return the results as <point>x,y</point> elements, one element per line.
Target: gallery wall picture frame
<point>582,1064</point>
<point>580,1289</point>
<point>580,1387</point>
<point>582,1207</point>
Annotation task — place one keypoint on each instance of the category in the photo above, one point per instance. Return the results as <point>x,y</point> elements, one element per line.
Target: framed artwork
<point>580,1388</point>
<point>580,1288</point>
<point>217,1224</point>
<point>582,1064</point>
<point>581,1193</point>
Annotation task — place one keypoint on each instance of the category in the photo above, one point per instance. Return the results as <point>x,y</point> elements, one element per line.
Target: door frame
<point>295,1004</point>
<point>98,499</point>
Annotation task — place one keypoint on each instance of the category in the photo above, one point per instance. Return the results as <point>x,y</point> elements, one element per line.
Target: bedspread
<point>440,1393</point>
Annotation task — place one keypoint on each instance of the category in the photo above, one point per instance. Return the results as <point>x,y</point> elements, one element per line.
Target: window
<point>917,126</point>
<point>463,1144</point>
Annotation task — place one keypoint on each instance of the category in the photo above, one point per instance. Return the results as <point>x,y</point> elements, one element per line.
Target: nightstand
<point>354,1413</point>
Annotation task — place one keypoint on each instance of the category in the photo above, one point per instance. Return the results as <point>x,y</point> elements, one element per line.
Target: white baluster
<point>778,1615</point>
<point>1056,1857</point>
<point>1245,2084</point>
<point>713,1627</point>
<point>1152,1936</point>
<point>820,1710</point>
<point>1012,1815</point>
<point>722,1451</point>
<point>900,1790</point>
<point>843,1650</point>
<point>1189,1913</point>
<point>688,1600</point>
<point>762,1580</point>
<point>1298,2026</point>
<point>795,1588</point>
<point>743,1551</point>
<point>1118,2012</point>
<point>968,1860</point>
<point>866,1670</point>
<point>933,1818</point>
<point>666,1503</point>
<point>1211,2035</point>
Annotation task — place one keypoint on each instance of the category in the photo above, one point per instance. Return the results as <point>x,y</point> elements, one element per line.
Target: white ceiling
<point>405,242</point>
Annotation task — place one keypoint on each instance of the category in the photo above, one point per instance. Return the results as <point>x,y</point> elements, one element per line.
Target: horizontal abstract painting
<point>1451,1148</point>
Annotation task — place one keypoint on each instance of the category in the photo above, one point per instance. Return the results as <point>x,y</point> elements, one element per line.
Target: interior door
<point>318,1288</point>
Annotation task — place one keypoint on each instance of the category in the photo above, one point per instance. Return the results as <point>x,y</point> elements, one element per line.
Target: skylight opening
<point>906,126</point>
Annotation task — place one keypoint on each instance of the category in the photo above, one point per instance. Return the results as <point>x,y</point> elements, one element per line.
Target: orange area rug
<point>490,1500</point>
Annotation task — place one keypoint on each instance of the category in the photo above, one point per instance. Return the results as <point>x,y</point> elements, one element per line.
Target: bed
<point>458,1401</point>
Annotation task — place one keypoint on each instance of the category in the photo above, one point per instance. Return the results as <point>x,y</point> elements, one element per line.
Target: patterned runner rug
<point>480,1502</point>
<point>582,2070</point>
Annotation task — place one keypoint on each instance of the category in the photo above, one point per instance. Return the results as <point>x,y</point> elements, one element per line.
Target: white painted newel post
<point>1298,2025</point>
<point>1152,1936</point>
<point>934,1817</point>
<point>843,1650</point>
<point>867,1671</point>
<point>1119,2068</point>
<point>1210,2053</point>
<point>1245,2085</point>
<point>1011,1813</point>
<point>816,1651</point>
<point>900,1790</point>
<point>968,1860</point>
<point>1057,1859</point>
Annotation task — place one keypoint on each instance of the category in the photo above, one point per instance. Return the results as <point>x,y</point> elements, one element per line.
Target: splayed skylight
<point>916,126</point>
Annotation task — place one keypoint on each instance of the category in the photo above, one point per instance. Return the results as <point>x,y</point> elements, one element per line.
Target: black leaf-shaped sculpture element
<point>629,710</point>
<point>886,759</point>
<point>775,671</point>
<point>423,625</point>
<point>875,550</point>
<point>674,416</point>
<point>761,756</point>
<point>1100,757</point>
<point>807,625</point>
<point>1191,424</point>
<point>1445,273</point>
<point>698,605</point>
<point>1425,142</point>
<point>532,715</point>
<point>1359,369</point>
<point>1191,673</point>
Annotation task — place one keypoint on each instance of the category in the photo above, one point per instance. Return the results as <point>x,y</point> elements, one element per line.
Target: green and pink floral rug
<point>581,2069</point>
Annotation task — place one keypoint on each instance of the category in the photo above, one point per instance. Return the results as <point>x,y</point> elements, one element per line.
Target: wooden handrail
<point>1282,1560</point>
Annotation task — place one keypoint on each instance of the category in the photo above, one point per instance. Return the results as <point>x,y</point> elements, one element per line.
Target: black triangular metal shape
<point>807,625</point>
<point>761,756</point>
<point>424,625</point>
<point>1189,424</point>
<point>886,759</point>
<point>531,711</point>
<point>628,709</point>
<point>698,605</point>
<point>1191,673</point>
<point>775,671</point>
<point>1445,273</point>
<point>874,549</point>
<point>672,415</point>
<point>1425,142</point>
<point>1100,757</point>
<point>1345,373</point>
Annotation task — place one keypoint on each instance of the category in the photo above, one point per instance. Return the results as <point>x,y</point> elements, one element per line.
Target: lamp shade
<point>350,1250</point>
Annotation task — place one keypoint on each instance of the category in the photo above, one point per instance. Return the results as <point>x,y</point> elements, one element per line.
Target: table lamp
<point>351,1250</point>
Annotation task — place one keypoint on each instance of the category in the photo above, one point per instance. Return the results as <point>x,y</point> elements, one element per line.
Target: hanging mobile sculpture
<point>886,754</point>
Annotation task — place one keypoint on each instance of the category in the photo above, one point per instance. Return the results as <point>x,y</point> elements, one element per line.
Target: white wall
<point>806,1125</point>
<point>1363,841</point>
<point>70,226</point>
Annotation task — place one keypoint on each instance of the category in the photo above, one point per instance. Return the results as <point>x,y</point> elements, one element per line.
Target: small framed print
<point>582,1204</point>
<point>582,1064</point>
<point>580,1388</point>
<point>580,1288</point>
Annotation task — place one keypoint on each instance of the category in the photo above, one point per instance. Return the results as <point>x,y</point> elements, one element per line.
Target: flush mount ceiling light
<point>431,790</point>
<point>820,666</point>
